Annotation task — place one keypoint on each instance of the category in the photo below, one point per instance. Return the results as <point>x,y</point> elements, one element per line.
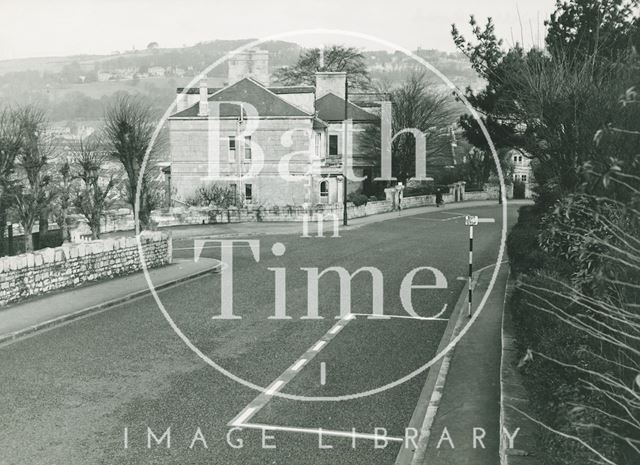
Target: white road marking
<point>409,317</point>
<point>323,373</point>
<point>217,246</point>
<point>296,366</point>
<point>318,346</point>
<point>263,398</point>
<point>239,420</point>
<point>336,329</point>
<point>274,387</point>
<point>321,431</point>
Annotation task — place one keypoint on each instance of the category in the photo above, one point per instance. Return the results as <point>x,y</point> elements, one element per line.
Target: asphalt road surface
<point>69,394</point>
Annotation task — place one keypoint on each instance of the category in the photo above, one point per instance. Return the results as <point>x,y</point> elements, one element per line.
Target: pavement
<point>471,395</point>
<point>46,311</point>
<point>90,391</point>
<point>276,228</point>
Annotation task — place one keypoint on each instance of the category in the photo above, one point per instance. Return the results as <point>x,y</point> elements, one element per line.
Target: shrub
<point>357,199</point>
<point>523,249</point>
<point>214,195</point>
<point>420,190</point>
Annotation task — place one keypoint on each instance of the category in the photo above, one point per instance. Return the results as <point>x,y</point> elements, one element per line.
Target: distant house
<point>522,171</point>
<point>105,76</point>
<point>215,135</point>
<point>156,71</point>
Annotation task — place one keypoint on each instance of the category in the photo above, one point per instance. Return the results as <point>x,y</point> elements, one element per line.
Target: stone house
<point>522,171</point>
<point>294,134</point>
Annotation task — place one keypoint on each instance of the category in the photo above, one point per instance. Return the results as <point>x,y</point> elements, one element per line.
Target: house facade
<point>273,145</point>
<point>522,171</point>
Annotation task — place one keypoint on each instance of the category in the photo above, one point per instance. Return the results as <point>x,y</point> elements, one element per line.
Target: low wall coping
<point>72,250</point>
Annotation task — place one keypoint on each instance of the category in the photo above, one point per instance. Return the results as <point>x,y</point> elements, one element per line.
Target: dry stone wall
<point>71,265</point>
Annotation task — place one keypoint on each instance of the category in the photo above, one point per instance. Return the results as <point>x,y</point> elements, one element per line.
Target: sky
<point>36,28</point>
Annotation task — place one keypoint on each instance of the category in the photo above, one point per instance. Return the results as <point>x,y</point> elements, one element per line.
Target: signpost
<point>472,221</point>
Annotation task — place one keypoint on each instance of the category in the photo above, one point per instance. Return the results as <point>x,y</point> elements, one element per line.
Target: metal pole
<point>470,267</point>
<point>345,218</point>
<point>10,238</point>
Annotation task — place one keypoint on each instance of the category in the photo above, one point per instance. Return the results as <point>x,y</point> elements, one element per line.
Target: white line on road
<point>274,387</point>
<point>318,346</point>
<point>245,415</point>
<point>335,329</point>
<point>321,432</point>
<point>262,399</point>
<point>218,246</point>
<point>296,366</point>
<point>323,373</point>
<point>408,317</point>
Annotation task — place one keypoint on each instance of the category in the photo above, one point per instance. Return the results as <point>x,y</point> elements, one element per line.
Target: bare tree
<point>30,192</point>
<point>129,128</point>
<point>10,146</point>
<point>64,199</point>
<point>416,105</point>
<point>93,194</point>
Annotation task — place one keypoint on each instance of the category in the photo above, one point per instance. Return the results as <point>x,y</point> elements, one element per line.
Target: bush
<point>525,254</point>
<point>571,314</point>
<point>357,199</point>
<point>214,195</point>
<point>52,238</point>
<point>420,190</point>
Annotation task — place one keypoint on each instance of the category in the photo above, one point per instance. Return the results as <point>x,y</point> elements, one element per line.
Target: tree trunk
<point>28,240</point>
<point>3,227</point>
<point>43,224</point>
<point>66,237</point>
<point>95,230</point>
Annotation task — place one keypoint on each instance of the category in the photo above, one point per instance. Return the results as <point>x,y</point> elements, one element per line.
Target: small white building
<point>522,171</point>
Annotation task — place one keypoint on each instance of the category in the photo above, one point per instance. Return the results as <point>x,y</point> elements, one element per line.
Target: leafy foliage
<point>331,58</point>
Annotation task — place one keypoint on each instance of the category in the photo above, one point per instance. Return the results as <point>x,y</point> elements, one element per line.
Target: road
<point>70,393</point>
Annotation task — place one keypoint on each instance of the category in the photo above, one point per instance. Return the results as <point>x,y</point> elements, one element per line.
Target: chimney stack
<point>203,105</point>
<point>250,63</point>
<point>330,82</point>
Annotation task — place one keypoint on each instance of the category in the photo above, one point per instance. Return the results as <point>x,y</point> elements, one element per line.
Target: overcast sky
<point>31,28</point>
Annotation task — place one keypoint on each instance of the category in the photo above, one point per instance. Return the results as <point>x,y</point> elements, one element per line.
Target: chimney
<point>328,81</point>
<point>250,63</point>
<point>203,105</point>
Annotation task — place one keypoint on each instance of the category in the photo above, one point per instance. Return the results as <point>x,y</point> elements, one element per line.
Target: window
<point>324,189</point>
<point>234,192</point>
<point>247,148</point>
<point>232,148</point>
<point>524,178</point>
<point>248,192</point>
<point>333,144</point>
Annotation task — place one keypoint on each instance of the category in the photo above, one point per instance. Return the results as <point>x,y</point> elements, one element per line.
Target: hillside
<point>78,87</point>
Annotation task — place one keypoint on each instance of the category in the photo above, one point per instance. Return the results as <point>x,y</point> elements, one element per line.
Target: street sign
<point>470,220</point>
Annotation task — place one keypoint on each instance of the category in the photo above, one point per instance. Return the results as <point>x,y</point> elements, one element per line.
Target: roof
<point>247,90</point>
<point>319,124</point>
<point>293,90</point>
<point>331,108</point>
<point>275,90</point>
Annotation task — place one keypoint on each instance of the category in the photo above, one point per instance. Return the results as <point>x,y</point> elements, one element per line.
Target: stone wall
<point>70,265</point>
